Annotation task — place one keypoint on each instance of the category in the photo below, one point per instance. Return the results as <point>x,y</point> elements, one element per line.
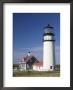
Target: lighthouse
<point>48,49</point>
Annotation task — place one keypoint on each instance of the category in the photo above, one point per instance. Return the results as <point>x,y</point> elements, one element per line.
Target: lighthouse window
<point>50,67</point>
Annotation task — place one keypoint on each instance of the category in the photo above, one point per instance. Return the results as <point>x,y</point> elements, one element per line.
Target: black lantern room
<point>48,30</point>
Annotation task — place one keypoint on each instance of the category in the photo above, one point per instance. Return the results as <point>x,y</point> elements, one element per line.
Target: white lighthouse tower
<point>48,49</point>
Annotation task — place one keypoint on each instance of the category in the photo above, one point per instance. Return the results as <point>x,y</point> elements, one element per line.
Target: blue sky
<point>28,34</point>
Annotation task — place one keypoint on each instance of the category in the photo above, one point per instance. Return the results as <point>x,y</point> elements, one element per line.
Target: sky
<point>28,34</point>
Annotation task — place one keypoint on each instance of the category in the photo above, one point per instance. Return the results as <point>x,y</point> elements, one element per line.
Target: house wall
<point>22,66</point>
<point>38,68</point>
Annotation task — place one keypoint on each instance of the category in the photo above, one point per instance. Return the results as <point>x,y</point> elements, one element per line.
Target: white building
<point>38,66</point>
<point>48,49</point>
<point>29,62</point>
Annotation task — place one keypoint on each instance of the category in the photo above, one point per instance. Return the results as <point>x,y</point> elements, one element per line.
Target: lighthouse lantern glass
<point>48,30</point>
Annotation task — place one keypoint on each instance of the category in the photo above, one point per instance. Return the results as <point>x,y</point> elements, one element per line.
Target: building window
<point>50,67</point>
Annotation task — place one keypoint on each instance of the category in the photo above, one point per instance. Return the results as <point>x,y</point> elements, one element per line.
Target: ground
<point>36,74</point>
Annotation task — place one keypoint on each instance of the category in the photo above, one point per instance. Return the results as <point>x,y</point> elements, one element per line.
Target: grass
<point>36,74</point>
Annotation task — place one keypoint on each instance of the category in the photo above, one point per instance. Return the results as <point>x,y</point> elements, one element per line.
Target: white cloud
<point>37,49</point>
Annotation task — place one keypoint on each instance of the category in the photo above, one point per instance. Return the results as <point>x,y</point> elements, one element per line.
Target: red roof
<point>40,63</point>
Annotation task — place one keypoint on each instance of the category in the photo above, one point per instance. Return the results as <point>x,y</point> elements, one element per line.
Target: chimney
<point>28,53</point>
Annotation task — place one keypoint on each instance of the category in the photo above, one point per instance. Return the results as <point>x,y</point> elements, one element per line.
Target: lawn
<point>36,74</point>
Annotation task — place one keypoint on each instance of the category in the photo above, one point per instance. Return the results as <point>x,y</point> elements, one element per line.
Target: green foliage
<point>15,66</point>
<point>57,67</point>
